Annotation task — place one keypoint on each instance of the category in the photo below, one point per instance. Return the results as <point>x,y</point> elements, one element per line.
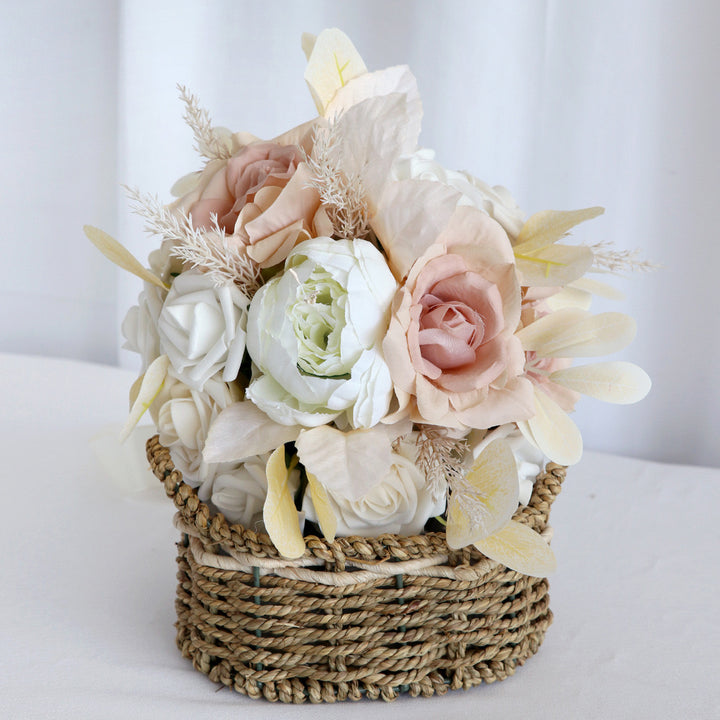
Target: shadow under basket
<point>358,617</point>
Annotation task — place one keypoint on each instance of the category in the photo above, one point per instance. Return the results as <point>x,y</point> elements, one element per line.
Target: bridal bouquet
<point>340,336</point>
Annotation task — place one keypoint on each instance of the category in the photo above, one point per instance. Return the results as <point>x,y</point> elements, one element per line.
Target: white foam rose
<point>315,334</point>
<point>140,325</point>
<point>183,417</point>
<point>239,492</point>
<point>401,502</point>
<point>496,201</point>
<point>529,460</point>
<point>202,328</point>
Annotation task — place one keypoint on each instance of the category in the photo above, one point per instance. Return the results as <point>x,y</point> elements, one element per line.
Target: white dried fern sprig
<point>210,251</point>
<point>208,143</point>
<point>606,259</point>
<point>440,458</point>
<point>341,193</point>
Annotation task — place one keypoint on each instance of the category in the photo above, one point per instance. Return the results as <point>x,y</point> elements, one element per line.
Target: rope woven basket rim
<point>241,544</point>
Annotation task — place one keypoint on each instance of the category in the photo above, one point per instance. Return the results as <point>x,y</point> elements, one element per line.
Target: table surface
<point>88,581</point>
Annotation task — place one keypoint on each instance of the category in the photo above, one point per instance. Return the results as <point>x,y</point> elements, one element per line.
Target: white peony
<point>202,328</point>
<point>496,201</point>
<point>139,328</point>
<point>401,502</point>
<point>183,416</point>
<point>529,460</point>
<point>315,334</point>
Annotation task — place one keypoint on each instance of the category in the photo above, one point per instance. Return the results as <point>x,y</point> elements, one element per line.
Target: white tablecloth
<point>87,583</point>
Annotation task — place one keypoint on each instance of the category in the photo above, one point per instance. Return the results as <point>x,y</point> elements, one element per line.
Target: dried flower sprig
<point>440,458</point>
<point>606,259</point>
<point>211,251</point>
<point>208,143</point>
<point>341,193</point>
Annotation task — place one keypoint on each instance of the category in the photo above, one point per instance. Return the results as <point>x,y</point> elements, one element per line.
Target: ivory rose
<point>260,195</point>
<point>400,502</point>
<point>450,346</point>
<point>183,416</point>
<point>139,327</point>
<point>202,328</point>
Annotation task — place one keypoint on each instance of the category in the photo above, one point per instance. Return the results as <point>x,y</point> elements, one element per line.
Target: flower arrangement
<point>340,336</point>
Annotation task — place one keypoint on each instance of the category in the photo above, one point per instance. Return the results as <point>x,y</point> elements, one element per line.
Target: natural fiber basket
<point>357,617</point>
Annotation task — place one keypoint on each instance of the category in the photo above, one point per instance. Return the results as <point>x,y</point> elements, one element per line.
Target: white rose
<point>140,325</point>
<point>400,503</point>
<point>529,460</point>
<point>202,328</point>
<point>315,334</point>
<point>183,417</point>
<point>239,492</point>
<point>496,201</point>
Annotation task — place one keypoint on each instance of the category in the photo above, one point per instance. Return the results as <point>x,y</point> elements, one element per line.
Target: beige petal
<point>279,512</point>
<point>323,508</point>
<point>521,549</point>
<point>565,333</point>
<point>150,386</point>
<point>120,255</point>
<point>490,499</point>
<point>332,62</point>
<point>410,216</point>
<point>307,42</point>
<point>348,463</point>
<point>554,432</point>
<point>242,430</point>
<point>616,382</point>
<point>553,265</point>
<point>546,227</point>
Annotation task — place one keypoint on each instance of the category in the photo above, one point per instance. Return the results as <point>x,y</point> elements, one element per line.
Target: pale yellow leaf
<point>120,255</point>
<point>570,297</point>
<point>521,549</point>
<point>616,382</point>
<point>596,287</point>
<point>553,265</point>
<point>279,512</point>
<point>307,42</point>
<point>332,63</point>
<point>150,386</point>
<point>490,499</point>
<point>135,389</point>
<point>546,227</point>
<point>559,334</point>
<point>323,508</point>
<point>187,183</point>
<point>553,431</point>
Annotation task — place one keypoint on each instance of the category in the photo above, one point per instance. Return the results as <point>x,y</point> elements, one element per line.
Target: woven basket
<point>370,617</point>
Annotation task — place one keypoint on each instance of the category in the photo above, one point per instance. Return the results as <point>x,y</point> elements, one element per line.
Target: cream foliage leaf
<point>616,382</point>
<point>279,512</point>
<point>521,549</point>
<point>553,265</point>
<point>332,62</point>
<point>486,500</point>
<point>546,227</point>
<point>120,255</point>
<point>150,386</point>
<point>321,503</point>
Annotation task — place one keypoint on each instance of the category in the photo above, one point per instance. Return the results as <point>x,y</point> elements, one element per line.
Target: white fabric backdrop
<point>568,104</point>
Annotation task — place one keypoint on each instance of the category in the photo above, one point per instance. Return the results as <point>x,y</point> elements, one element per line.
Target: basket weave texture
<point>358,617</point>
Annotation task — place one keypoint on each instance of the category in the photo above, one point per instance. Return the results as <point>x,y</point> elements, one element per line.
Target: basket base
<point>293,641</point>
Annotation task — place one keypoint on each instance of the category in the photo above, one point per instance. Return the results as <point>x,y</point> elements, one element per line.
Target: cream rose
<point>140,325</point>
<point>183,417</point>
<point>401,502</point>
<point>314,334</point>
<point>450,346</point>
<point>202,328</point>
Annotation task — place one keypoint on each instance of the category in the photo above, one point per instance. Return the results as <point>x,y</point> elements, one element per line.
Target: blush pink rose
<point>261,195</point>
<point>450,346</point>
